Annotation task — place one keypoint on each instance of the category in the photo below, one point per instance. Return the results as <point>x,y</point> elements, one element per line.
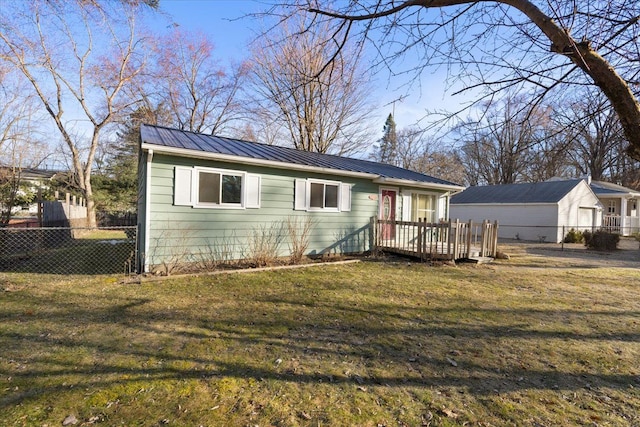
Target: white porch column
<point>623,217</point>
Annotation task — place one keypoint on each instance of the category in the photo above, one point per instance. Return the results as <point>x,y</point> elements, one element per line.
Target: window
<point>216,188</point>
<point>323,195</point>
<point>318,195</point>
<point>612,207</point>
<point>423,207</point>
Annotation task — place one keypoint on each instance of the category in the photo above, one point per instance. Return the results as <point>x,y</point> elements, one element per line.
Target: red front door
<point>388,213</point>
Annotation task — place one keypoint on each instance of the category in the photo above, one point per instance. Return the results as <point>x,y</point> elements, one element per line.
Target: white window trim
<point>325,183</point>
<point>302,195</point>
<point>195,188</point>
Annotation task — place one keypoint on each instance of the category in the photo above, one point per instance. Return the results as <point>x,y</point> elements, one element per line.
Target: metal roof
<point>539,192</point>
<point>34,173</point>
<point>602,188</point>
<point>199,143</point>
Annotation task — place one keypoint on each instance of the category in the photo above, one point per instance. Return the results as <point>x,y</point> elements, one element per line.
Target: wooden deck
<point>450,240</point>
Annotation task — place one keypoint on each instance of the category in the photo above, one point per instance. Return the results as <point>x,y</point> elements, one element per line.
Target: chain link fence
<point>556,234</point>
<point>67,251</point>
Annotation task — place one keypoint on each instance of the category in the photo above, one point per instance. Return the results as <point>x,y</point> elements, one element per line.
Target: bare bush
<point>215,254</point>
<point>263,244</point>
<point>298,231</point>
<point>166,259</point>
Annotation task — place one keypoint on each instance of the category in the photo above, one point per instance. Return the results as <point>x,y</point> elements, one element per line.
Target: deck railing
<point>448,240</point>
<point>614,224</point>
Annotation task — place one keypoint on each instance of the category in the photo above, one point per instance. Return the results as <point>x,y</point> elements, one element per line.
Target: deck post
<point>484,240</point>
<point>373,235</point>
<point>456,241</point>
<point>427,239</point>
<point>495,239</point>
<point>469,233</point>
<point>449,238</point>
<point>419,242</point>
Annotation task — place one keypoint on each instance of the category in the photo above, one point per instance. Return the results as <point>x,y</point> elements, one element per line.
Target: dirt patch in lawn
<point>572,254</point>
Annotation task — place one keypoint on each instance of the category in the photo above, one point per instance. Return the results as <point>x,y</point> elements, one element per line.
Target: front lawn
<point>371,344</point>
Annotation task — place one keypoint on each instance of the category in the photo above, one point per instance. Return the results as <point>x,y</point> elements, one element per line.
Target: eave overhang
<point>183,152</point>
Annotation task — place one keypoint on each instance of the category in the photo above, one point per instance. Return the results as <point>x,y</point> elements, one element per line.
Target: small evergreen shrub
<point>574,236</point>
<point>601,240</point>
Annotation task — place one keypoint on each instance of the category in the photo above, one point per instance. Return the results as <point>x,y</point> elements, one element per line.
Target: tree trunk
<point>581,54</point>
<point>595,66</point>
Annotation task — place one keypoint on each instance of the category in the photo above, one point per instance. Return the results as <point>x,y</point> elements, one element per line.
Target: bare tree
<point>501,44</point>
<point>78,57</point>
<point>550,157</point>
<point>417,151</point>
<point>499,147</point>
<point>188,81</point>
<point>318,98</point>
<point>594,131</point>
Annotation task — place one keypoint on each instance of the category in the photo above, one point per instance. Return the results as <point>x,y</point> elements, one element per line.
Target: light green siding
<point>192,233</point>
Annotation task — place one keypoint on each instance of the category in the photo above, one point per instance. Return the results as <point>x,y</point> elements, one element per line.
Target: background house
<point>620,207</point>
<point>540,211</point>
<point>202,195</point>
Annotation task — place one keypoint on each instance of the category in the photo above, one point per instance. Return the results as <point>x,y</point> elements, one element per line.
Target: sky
<point>230,28</point>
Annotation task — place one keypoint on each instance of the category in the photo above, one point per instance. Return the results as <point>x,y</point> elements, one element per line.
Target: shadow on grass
<point>391,344</point>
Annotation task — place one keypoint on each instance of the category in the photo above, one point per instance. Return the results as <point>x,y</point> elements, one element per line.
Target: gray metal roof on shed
<point>539,192</point>
<point>195,142</point>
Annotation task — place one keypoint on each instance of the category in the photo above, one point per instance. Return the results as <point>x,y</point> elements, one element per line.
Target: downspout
<point>147,210</point>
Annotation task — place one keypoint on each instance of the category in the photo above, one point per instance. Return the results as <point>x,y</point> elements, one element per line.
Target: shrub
<point>574,236</point>
<point>299,231</point>
<point>601,240</point>
<point>264,244</point>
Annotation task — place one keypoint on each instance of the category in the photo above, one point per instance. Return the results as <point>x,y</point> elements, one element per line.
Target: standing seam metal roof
<point>539,192</point>
<point>174,138</point>
<point>603,188</point>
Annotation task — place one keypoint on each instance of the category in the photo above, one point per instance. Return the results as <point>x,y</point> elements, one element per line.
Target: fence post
<point>495,239</point>
<point>67,204</point>
<point>562,239</point>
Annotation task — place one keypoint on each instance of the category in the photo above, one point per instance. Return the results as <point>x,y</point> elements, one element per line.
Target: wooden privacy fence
<point>447,240</point>
<point>70,212</point>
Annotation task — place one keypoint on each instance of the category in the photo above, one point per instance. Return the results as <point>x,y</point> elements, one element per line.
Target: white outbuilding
<point>541,211</point>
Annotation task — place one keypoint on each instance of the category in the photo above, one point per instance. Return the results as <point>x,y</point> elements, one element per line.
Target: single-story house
<point>540,211</point>
<point>203,195</point>
<point>620,207</point>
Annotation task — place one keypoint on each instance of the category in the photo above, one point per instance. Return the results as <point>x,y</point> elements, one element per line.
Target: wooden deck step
<point>478,259</point>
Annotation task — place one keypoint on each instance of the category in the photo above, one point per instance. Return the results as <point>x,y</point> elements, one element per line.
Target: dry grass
<point>366,344</point>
